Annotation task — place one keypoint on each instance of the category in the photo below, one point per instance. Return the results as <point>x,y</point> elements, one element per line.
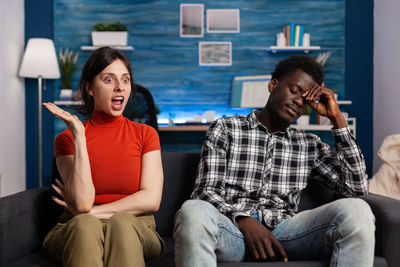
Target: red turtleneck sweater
<point>115,146</point>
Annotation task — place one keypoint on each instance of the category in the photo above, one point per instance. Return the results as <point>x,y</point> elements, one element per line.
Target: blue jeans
<point>343,230</point>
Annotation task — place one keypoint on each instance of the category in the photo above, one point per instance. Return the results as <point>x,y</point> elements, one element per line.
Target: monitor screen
<point>250,91</point>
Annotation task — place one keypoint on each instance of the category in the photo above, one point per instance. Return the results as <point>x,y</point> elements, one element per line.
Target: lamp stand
<point>40,130</point>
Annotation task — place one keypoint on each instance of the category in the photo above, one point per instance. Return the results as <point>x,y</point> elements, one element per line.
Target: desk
<point>351,122</point>
<point>183,128</point>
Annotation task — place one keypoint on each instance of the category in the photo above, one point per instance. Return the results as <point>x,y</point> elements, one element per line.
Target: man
<point>251,173</point>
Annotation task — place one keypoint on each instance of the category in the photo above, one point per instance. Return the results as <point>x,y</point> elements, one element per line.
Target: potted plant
<point>67,62</point>
<point>335,93</point>
<point>305,119</point>
<point>323,57</point>
<point>110,34</point>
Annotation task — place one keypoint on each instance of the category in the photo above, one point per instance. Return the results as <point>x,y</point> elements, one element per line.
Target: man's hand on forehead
<point>322,100</point>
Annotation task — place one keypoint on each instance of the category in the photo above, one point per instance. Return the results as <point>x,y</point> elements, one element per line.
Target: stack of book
<point>294,34</point>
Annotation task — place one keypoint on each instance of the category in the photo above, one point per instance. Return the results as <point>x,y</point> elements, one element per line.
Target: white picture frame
<point>223,20</point>
<point>215,53</point>
<point>191,20</point>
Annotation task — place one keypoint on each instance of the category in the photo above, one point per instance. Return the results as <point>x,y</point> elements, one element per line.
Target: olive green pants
<point>122,240</point>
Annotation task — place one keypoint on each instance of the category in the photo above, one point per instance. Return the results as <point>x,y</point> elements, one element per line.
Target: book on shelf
<point>286,31</point>
<point>301,32</point>
<point>296,35</point>
<point>292,33</point>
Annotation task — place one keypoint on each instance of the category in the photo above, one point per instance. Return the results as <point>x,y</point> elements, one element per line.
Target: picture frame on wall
<point>223,20</point>
<point>215,53</point>
<point>191,20</point>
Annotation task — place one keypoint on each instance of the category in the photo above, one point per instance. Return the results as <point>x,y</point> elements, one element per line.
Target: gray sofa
<point>26,217</point>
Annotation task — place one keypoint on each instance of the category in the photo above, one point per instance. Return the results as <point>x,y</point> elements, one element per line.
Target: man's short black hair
<point>304,63</point>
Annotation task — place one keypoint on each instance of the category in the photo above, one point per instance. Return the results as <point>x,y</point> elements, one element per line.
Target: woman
<point>111,174</point>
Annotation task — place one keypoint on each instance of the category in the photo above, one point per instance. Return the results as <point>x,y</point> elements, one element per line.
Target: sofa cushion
<point>34,260</point>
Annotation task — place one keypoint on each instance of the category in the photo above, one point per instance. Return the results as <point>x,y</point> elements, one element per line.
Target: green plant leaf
<point>67,62</point>
<point>308,110</point>
<point>116,26</point>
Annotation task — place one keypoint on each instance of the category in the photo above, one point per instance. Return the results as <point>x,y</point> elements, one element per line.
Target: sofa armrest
<point>387,215</point>
<point>25,219</point>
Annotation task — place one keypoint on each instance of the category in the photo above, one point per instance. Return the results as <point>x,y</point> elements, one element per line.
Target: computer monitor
<point>250,91</point>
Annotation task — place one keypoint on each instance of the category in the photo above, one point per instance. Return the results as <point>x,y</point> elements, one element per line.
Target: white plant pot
<point>110,38</point>
<point>303,120</point>
<point>65,94</point>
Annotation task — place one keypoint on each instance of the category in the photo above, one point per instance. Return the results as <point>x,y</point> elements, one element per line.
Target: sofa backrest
<point>180,170</point>
<point>179,175</point>
<point>25,219</point>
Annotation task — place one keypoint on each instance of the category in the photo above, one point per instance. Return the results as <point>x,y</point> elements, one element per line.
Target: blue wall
<point>38,24</point>
<point>359,71</point>
<point>168,65</point>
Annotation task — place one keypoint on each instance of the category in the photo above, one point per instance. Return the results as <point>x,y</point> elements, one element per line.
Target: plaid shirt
<point>244,169</point>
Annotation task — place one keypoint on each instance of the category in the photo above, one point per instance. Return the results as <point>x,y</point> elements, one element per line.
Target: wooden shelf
<point>344,102</point>
<point>126,48</point>
<point>277,49</point>
<point>312,127</point>
<point>68,103</point>
<point>351,123</point>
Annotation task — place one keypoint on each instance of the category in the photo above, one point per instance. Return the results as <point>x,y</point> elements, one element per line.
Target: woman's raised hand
<point>72,121</point>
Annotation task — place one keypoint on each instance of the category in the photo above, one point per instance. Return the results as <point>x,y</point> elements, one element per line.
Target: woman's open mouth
<point>117,102</point>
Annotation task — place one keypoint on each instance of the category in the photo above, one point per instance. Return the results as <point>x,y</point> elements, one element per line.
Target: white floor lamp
<point>40,62</point>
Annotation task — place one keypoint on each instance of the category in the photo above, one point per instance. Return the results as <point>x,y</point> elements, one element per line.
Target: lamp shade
<point>40,60</point>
